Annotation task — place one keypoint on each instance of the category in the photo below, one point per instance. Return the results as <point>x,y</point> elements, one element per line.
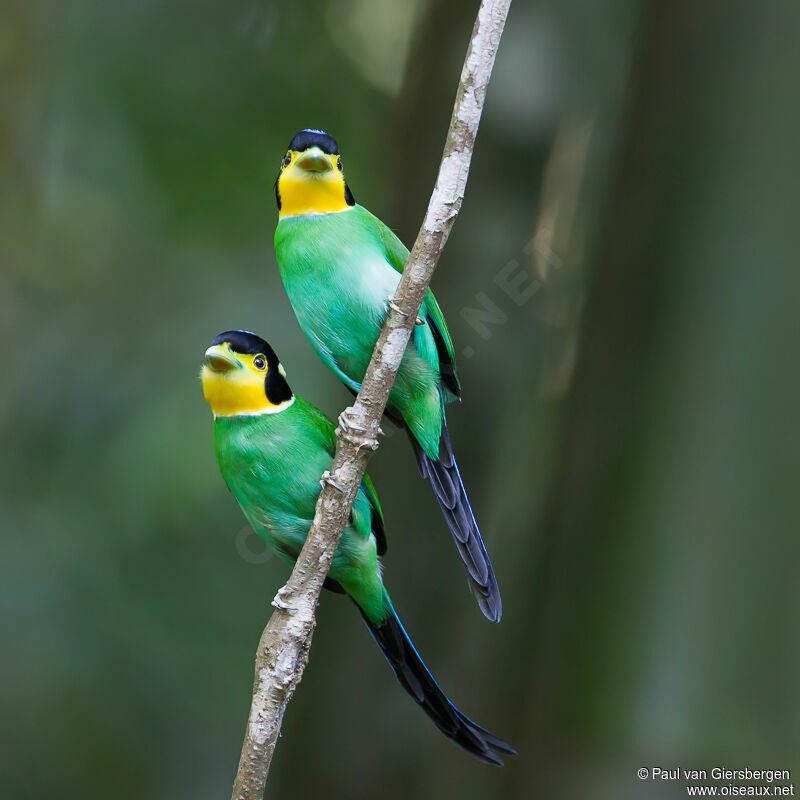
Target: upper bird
<point>341,266</point>
<point>272,448</point>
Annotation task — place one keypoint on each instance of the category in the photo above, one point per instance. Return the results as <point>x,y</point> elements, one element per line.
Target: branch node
<point>279,603</point>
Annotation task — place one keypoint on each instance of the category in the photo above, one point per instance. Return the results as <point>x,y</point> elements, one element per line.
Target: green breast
<point>272,464</point>
<point>338,276</point>
<point>338,281</point>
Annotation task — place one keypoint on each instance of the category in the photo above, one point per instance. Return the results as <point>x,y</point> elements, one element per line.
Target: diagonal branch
<point>283,650</point>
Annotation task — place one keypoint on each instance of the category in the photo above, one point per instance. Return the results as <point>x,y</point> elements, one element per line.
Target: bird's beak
<point>314,160</point>
<point>220,359</point>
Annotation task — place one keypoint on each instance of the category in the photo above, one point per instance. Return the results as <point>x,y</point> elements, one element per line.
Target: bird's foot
<point>346,423</point>
<point>279,603</point>
<point>367,444</point>
<point>357,435</point>
<point>328,479</point>
<point>391,303</point>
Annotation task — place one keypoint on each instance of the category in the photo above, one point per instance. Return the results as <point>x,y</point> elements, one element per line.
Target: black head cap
<point>311,137</point>
<point>275,385</point>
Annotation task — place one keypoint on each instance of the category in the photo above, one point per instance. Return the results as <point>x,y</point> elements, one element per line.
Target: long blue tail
<point>417,680</point>
<point>449,489</point>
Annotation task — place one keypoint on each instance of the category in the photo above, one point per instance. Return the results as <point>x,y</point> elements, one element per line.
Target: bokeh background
<point>629,431</point>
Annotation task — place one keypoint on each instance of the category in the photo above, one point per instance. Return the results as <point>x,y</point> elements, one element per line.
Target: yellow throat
<point>239,390</point>
<point>321,190</point>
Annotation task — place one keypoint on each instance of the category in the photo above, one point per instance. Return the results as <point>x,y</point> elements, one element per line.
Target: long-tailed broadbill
<point>341,266</point>
<point>273,448</point>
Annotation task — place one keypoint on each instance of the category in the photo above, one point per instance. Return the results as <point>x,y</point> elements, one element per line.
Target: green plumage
<point>339,271</point>
<point>272,461</point>
<point>272,464</point>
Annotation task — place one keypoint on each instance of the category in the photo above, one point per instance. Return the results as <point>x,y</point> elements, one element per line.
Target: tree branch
<point>283,650</point>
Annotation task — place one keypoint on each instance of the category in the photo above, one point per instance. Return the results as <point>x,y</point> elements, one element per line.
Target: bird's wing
<point>319,423</point>
<point>396,253</point>
<point>328,358</point>
<point>444,345</point>
<point>326,429</point>
<point>378,531</point>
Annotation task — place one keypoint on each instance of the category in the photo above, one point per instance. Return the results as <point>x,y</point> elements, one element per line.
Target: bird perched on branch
<point>272,448</point>
<point>340,266</point>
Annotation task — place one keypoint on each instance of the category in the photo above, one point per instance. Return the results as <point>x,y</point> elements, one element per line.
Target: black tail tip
<point>491,758</point>
<point>482,744</point>
<point>416,679</point>
<point>489,601</point>
<point>492,611</point>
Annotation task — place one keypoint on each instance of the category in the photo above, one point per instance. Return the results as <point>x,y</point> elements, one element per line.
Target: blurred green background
<point>629,432</point>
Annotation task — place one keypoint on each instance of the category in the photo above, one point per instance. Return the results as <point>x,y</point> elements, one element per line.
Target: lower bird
<point>272,448</point>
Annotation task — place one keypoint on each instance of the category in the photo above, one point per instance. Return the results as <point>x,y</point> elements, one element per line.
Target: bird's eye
<point>339,165</point>
<point>287,159</point>
<point>259,362</point>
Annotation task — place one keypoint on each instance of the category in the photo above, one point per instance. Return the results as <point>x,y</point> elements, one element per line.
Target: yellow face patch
<point>234,383</point>
<point>304,191</point>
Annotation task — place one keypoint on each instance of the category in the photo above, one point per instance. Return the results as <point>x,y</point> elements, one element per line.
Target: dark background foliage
<point>628,435</point>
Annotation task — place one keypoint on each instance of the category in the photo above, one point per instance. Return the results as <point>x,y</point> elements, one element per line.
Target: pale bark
<point>283,650</point>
